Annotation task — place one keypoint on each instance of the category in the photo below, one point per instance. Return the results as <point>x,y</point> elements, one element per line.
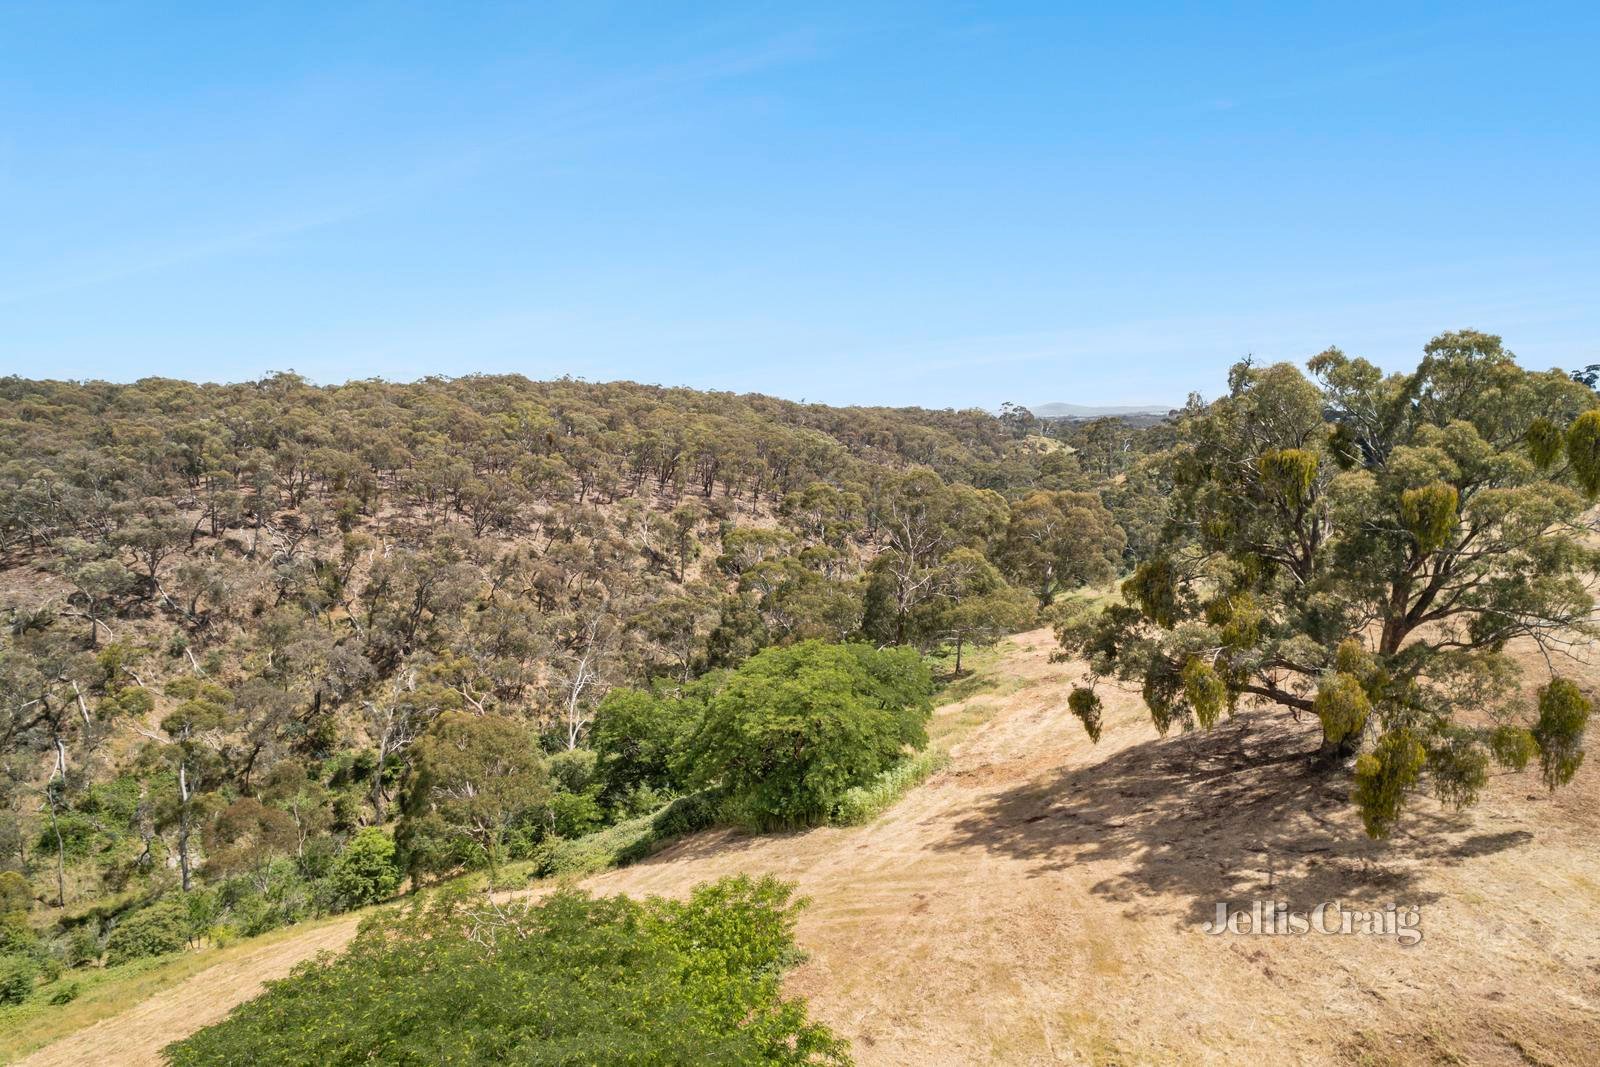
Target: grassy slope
<point>110,991</point>
<point>1038,901</point>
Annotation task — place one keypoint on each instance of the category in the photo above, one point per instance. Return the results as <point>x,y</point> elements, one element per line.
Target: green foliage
<point>17,935</point>
<point>1059,540</point>
<point>154,930</point>
<point>1205,690</point>
<point>1342,706</point>
<point>18,974</point>
<point>1513,747</point>
<point>1239,619</point>
<point>82,947</point>
<point>1380,537</point>
<point>1154,588</point>
<point>1353,659</point>
<point>574,814</point>
<point>628,841</point>
<point>1085,704</point>
<point>1563,715</point>
<point>1289,473</point>
<point>1429,513</point>
<point>1544,442</point>
<point>639,737</point>
<point>568,980</point>
<point>473,778</point>
<point>974,604</point>
<point>1583,451</point>
<point>863,803</point>
<point>574,807</point>
<point>366,871</point>
<point>1458,766</point>
<point>794,728</point>
<point>15,895</point>
<point>1384,775</point>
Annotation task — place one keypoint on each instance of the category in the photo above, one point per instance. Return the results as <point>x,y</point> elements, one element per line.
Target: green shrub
<point>155,930</point>
<point>863,803</point>
<point>17,937</point>
<point>82,946</point>
<point>366,871</point>
<point>570,979</point>
<point>17,976</point>
<point>1384,775</point>
<point>66,994</point>
<point>572,770</point>
<point>574,808</point>
<point>626,842</point>
<point>276,896</point>
<point>796,727</point>
<point>685,815</point>
<point>574,814</point>
<point>16,896</point>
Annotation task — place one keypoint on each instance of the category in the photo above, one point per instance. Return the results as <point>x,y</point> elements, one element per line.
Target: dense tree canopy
<point>243,620</point>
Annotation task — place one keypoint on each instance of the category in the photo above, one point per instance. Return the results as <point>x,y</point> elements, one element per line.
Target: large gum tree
<point>1365,547</point>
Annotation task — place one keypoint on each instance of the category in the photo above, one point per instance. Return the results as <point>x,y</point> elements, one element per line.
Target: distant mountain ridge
<point>1082,411</point>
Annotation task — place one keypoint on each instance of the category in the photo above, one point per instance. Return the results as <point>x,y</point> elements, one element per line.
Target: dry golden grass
<point>1039,901</point>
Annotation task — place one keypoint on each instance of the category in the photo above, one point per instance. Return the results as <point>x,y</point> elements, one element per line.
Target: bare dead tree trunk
<point>54,796</point>
<point>183,823</point>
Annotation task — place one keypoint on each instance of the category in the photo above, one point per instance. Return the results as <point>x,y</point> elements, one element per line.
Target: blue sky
<point>942,204</point>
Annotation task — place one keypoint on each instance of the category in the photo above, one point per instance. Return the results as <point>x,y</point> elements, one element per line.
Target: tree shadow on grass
<point>1239,813</point>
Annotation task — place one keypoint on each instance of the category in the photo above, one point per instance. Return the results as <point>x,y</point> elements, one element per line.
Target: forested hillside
<point>276,651</point>
<point>249,628</point>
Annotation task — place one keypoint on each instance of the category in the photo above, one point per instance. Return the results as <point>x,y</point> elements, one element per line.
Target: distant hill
<point>1081,411</point>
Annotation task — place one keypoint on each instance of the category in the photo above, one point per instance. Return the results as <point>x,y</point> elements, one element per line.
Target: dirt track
<point>1040,902</point>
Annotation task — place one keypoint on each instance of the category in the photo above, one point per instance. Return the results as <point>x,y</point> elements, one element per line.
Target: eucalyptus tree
<point>1061,540</point>
<point>1363,547</point>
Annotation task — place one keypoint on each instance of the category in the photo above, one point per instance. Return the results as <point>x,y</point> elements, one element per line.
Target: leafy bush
<point>571,979</point>
<point>16,936</point>
<point>572,770</point>
<point>17,976</point>
<point>16,897</point>
<point>66,994</point>
<point>574,814</point>
<point>574,807</point>
<point>82,947</point>
<point>863,803</point>
<point>366,871</point>
<point>627,842</point>
<point>276,895</point>
<point>155,930</point>
<point>794,728</point>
